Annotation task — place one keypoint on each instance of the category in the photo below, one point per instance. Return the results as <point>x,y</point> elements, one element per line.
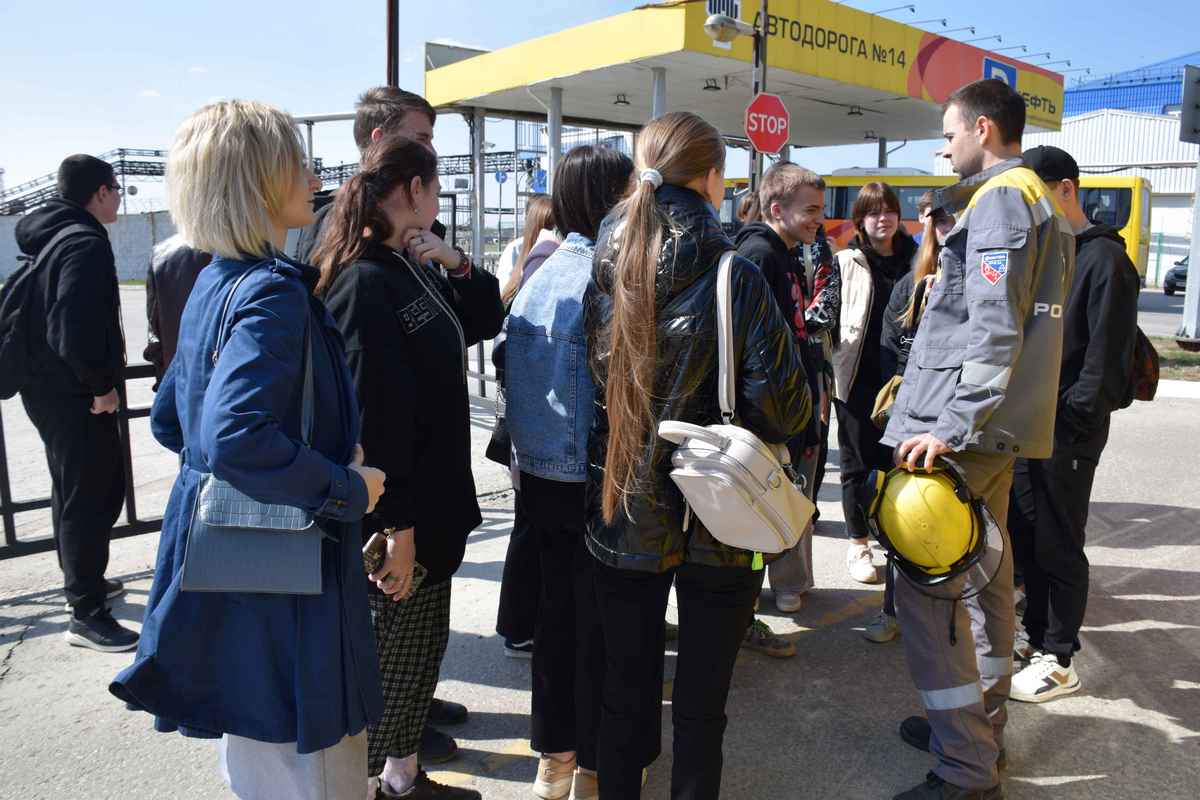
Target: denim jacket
<point>548,385</point>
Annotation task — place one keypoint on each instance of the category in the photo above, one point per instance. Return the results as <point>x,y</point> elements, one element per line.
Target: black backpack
<point>1144,381</point>
<point>16,366</point>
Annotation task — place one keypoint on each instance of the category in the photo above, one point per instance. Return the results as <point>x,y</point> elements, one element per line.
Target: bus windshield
<point>1107,206</point>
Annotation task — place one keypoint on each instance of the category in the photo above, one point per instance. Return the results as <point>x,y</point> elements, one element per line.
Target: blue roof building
<point>1153,89</point>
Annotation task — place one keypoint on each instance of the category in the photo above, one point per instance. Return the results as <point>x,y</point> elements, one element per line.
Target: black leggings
<point>716,605</point>
<point>860,452</point>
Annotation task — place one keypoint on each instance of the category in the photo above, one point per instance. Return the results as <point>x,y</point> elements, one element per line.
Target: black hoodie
<point>82,350</point>
<point>759,244</point>
<point>1099,331</point>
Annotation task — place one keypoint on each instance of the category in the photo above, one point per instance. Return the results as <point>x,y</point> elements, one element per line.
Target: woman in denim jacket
<point>288,682</point>
<point>550,406</point>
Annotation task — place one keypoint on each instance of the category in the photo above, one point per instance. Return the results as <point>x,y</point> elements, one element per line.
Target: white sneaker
<point>858,562</point>
<point>882,629</point>
<point>789,602</point>
<point>1044,680</point>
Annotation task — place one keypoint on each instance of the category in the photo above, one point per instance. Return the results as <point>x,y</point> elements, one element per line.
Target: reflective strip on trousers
<point>992,669</point>
<point>949,699</point>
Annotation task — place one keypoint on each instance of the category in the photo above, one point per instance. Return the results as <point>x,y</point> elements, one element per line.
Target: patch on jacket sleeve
<point>414,315</point>
<point>994,266</point>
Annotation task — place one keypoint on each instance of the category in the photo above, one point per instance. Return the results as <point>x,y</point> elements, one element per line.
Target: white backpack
<point>740,487</point>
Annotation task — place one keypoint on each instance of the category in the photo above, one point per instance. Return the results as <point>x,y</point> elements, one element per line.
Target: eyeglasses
<point>116,188</point>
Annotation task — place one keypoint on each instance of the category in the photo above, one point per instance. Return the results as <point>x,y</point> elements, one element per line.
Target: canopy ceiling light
<point>854,111</point>
<point>621,100</point>
<point>710,85</point>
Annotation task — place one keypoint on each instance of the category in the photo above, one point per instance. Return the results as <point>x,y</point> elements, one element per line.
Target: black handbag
<point>499,446</point>
<point>238,544</point>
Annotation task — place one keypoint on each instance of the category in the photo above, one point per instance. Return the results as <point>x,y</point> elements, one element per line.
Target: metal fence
<point>134,525</point>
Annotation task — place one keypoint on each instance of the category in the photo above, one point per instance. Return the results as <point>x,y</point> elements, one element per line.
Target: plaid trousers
<point>411,638</point>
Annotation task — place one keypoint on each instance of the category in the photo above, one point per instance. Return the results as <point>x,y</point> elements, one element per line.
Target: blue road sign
<point>501,176</point>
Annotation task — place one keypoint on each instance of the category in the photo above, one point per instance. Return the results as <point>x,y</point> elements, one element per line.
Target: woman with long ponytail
<point>407,329</point>
<point>650,324</point>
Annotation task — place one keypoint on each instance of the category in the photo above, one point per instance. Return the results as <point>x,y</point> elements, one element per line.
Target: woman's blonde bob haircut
<point>229,173</point>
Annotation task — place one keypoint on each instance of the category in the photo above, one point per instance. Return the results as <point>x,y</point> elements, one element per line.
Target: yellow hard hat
<point>934,530</point>
<point>925,521</point>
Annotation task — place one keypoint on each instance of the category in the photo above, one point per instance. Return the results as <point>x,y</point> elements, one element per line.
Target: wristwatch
<point>464,264</point>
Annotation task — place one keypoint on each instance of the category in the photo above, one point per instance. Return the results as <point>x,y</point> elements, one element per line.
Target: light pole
<point>723,28</point>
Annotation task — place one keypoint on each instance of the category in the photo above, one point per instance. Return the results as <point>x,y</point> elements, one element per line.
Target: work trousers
<point>1047,520</point>
<point>568,646</point>
<point>521,580</point>
<point>716,605</point>
<point>960,653</point>
<point>793,570</point>
<point>860,452</point>
<point>87,489</point>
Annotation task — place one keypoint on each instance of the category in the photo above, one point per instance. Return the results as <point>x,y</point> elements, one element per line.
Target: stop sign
<point>767,123</point>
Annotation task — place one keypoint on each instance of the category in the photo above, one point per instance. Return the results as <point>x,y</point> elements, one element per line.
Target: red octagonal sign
<point>767,123</point>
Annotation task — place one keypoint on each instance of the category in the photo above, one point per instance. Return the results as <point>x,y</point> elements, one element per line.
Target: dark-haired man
<point>1050,496</point>
<point>78,351</point>
<point>980,389</point>
<point>380,110</point>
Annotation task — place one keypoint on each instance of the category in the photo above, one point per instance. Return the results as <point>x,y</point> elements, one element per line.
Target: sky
<point>93,76</point>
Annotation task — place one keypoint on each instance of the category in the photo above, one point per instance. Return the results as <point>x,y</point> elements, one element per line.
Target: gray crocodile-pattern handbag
<point>239,544</point>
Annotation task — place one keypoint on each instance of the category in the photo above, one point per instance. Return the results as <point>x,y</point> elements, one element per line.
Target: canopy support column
<point>658,92</point>
<point>554,131</point>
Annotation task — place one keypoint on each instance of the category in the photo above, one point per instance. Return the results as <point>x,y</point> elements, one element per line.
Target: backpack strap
<point>726,370</point>
<point>43,255</point>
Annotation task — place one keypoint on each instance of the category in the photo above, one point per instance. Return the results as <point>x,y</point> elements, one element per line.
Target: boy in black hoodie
<point>1049,507</point>
<point>72,398</point>
<point>792,209</point>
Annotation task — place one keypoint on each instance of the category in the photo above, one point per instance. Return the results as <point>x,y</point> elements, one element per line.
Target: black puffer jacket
<point>773,399</point>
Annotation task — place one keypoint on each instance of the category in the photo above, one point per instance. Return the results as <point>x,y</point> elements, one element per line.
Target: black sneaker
<point>443,712</point>
<point>934,788</point>
<point>518,649</point>
<point>99,631</point>
<point>915,732</point>
<point>436,747</point>
<point>425,789</point>
<point>113,589</point>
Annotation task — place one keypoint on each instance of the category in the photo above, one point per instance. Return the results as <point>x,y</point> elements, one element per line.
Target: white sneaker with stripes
<point>1044,680</point>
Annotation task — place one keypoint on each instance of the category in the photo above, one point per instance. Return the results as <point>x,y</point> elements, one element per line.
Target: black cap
<point>1051,164</point>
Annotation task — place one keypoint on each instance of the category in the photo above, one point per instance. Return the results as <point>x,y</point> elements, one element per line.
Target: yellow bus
<point>1122,202</point>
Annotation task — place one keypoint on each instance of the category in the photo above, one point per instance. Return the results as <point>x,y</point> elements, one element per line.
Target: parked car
<point>1176,277</point>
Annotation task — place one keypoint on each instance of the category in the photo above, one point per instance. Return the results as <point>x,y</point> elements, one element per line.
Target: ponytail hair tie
<point>652,177</point>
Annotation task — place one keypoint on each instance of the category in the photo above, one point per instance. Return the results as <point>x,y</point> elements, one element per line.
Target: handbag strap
<point>726,370</point>
<point>308,396</point>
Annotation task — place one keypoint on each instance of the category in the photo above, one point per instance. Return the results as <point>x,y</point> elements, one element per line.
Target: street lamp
<point>724,29</point>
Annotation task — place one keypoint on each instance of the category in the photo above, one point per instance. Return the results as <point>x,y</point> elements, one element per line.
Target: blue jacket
<point>549,388</point>
<point>275,668</point>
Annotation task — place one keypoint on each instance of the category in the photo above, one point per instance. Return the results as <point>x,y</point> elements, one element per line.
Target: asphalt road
<point>821,725</point>
<point>1159,315</point>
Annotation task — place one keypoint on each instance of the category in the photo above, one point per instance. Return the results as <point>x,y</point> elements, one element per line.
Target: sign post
<point>1189,131</point>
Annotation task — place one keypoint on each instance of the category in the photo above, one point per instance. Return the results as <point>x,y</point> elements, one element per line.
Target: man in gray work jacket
<point>980,390</point>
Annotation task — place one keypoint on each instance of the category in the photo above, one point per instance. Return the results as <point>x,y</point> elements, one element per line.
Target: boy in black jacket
<point>1049,507</point>
<point>72,398</point>
<point>791,204</point>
